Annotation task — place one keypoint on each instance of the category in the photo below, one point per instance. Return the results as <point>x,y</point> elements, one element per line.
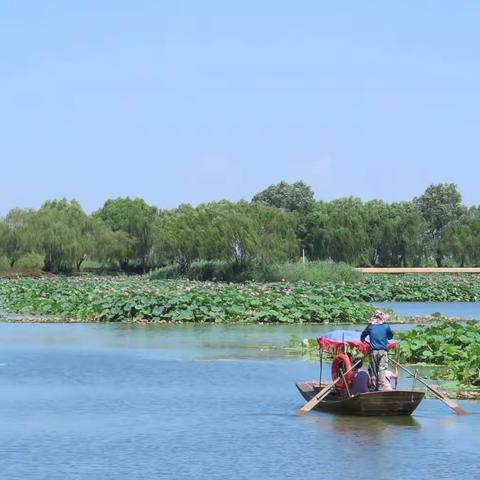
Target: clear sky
<point>194,101</point>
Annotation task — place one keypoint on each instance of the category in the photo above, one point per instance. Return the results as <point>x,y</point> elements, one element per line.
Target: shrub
<point>4,264</point>
<point>30,261</point>
<point>315,272</point>
<point>214,270</point>
<point>163,273</point>
<point>221,271</point>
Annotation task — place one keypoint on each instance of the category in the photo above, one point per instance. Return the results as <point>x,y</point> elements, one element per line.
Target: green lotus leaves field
<point>136,298</point>
<point>112,299</point>
<point>454,346</point>
<point>419,288</point>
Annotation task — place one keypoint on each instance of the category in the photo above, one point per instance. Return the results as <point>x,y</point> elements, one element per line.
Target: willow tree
<point>254,233</point>
<point>17,234</point>
<point>404,241</point>
<point>179,237</point>
<point>461,239</point>
<point>440,205</point>
<point>240,232</point>
<point>297,198</point>
<point>108,247</point>
<point>378,231</point>
<point>61,228</point>
<point>395,233</point>
<point>136,218</point>
<point>336,231</point>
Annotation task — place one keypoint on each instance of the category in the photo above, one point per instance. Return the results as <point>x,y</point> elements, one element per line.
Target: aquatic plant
<point>137,298</point>
<point>140,298</point>
<point>452,346</point>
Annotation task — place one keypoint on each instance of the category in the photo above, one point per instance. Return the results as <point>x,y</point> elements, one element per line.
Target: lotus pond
<point>112,299</point>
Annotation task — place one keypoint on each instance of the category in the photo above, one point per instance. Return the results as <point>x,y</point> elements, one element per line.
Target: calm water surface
<point>464,310</point>
<point>198,402</point>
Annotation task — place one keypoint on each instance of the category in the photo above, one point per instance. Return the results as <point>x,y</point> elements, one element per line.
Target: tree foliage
<point>16,234</point>
<point>439,206</point>
<point>130,235</point>
<point>110,248</point>
<point>238,232</point>
<point>297,197</point>
<point>336,230</point>
<point>61,235</point>
<point>461,238</point>
<point>135,218</point>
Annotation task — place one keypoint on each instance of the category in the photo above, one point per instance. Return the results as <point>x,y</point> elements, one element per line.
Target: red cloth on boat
<point>334,346</point>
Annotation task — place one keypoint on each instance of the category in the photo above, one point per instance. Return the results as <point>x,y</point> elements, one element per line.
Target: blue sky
<point>191,101</point>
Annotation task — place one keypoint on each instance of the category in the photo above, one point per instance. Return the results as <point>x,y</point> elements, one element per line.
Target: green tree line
<point>277,225</point>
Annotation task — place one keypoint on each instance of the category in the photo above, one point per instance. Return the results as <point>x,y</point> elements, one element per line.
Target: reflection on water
<point>432,444</point>
<point>364,430</point>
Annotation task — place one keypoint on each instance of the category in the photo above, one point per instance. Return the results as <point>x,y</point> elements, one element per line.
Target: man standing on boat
<point>379,333</point>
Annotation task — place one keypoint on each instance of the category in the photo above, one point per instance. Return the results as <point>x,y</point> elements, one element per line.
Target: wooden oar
<point>441,396</point>
<point>396,367</point>
<point>321,394</point>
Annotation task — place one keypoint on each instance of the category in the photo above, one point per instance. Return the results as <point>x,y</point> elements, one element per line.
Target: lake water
<point>464,310</point>
<point>89,401</point>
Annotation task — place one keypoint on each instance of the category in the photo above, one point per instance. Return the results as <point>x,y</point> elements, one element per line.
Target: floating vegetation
<point>137,298</point>
<point>452,347</point>
<point>415,288</point>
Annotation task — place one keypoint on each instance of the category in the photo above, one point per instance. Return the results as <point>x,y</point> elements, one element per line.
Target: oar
<point>447,401</point>
<point>396,367</point>
<point>321,394</point>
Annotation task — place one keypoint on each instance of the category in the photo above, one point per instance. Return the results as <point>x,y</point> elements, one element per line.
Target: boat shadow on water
<point>365,430</point>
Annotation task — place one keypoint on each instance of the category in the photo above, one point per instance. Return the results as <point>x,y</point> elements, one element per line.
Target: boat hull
<point>392,402</point>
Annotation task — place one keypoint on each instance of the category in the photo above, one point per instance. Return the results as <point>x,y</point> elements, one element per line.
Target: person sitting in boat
<point>389,375</point>
<point>361,381</point>
<point>379,333</point>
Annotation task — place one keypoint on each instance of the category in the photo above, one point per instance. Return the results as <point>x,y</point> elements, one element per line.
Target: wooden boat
<point>391,402</point>
<point>335,396</point>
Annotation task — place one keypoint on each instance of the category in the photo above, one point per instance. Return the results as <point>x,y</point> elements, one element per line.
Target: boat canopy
<point>335,340</point>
